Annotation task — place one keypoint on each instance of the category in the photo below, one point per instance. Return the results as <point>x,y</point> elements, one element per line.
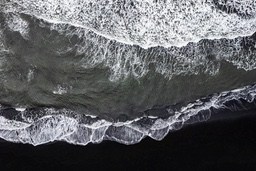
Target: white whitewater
<point>48,125</point>
<point>148,23</point>
<point>127,37</point>
<point>124,60</point>
<point>103,39</point>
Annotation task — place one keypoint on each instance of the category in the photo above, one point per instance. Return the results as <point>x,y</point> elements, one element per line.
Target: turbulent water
<point>86,71</point>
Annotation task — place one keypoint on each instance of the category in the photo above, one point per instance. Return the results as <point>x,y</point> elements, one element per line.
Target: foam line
<point>50,124</point>
<point>148,23</point>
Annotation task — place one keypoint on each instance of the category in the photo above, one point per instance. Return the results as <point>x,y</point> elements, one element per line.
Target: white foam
<point>16,23</point>
<point>60,90</point>
<point>66,125</point>
<point>145,24</point>
<point>3,50</point>
<point>21,109</point>
<point>125,60</point>
<point>101,44</point>
<point>30,75</point>
<point>148,23</point>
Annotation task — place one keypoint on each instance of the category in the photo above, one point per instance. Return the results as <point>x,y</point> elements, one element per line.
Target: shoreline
<point>228,143</point>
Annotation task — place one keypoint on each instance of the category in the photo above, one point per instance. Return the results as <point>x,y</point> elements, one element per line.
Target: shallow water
<point>68,82</point>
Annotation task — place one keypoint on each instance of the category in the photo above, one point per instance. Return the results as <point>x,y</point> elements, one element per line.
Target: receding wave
<point>43,125</point>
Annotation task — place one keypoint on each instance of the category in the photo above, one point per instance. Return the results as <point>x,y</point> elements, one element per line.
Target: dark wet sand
<point>217,144</point>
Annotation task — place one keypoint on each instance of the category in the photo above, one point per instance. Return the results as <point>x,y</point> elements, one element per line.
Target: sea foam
<point>44,125</point>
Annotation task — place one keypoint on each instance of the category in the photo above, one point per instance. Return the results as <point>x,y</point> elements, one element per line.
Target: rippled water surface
<point>83,71</point>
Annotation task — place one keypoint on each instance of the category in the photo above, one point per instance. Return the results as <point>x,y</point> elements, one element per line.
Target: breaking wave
<point>43,125</point>
<point>124,60</point>
<point>131,37</point>
<point>148,23</point>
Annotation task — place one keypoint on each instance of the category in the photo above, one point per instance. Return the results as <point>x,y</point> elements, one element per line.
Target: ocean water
<point>87,71</point>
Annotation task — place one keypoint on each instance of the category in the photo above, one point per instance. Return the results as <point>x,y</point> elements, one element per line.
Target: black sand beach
<point>218,144</point>
<point>74,73</point>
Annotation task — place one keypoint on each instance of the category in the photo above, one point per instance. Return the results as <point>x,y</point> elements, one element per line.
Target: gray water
<point>79,78</point>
